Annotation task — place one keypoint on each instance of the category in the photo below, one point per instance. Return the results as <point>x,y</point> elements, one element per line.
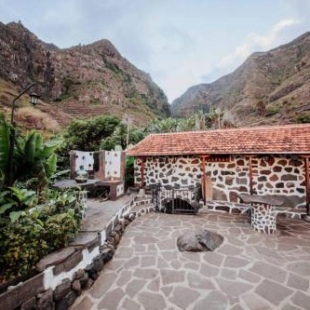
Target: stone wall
<point>63,275</point>
<point>274,175</point>
<point>108,164</point>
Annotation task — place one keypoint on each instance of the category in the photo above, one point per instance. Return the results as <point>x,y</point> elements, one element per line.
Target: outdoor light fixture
<point>34,100</point>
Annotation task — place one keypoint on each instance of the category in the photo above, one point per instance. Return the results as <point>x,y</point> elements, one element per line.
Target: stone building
<point>270,160</point>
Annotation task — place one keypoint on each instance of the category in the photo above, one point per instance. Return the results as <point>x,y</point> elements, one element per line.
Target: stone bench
<point>216,205</point>
<point>294,213</point>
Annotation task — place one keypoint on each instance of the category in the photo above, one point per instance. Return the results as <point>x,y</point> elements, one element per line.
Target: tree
<point>86,135</point>
<point>160,126</point>
<point>120,136</point>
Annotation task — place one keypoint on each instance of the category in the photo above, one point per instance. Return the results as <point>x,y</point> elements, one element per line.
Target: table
<point>73,183</point>
<point>264,214</point>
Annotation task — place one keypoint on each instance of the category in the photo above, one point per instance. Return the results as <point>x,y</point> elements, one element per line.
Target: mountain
<point>76,82</point>
<point>269,87</point>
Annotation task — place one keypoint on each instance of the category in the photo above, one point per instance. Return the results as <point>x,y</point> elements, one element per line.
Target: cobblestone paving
<point>249,270</point>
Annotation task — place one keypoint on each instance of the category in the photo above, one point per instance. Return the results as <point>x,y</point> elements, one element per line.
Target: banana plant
<point>5,133</point>
<point>32,157</point>
<point>36,159</point>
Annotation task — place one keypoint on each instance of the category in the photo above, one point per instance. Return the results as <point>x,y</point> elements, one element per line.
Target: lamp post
<point>34,100</point>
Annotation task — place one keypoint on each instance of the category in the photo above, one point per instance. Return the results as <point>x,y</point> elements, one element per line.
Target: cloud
<point>254,42</point>
<point>180,43</point>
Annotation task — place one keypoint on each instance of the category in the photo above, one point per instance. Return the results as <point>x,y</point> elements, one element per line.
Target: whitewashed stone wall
<point>112,164</point>
<point>181,171</point>
<point>276,175</point>
<point>229,178</point>
<point>84,159</point>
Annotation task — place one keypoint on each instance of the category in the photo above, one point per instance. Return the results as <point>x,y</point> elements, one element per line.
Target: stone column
<point>263,218</point>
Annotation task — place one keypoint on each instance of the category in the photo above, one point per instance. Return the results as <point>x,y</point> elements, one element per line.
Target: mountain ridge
<point>81,81</point>
<point>264,89</point>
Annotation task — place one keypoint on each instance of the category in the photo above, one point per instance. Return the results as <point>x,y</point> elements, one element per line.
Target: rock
<point>211,240</point>
<point>76,287</point>
<point>46,301</point>
<point>79,274</point>
<point>93,274</point>
<point>89,267</point>
<point>84,280</point>
<point>29,304</point>
<point>126,222</point>
<point>89,284</point>
<point>119,228</point>
<point>62,290</point>
<point>199,241</point>
<point>132,216</point>
<point>114,238</point>
<point>98,263</point>
<point>117,238</point>
<point>107,253</point>
<point>66,302</point>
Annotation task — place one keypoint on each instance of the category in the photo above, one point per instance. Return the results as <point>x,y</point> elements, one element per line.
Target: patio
<point>249,270</point>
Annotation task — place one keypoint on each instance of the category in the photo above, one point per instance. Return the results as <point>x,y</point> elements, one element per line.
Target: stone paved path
<point>248,271</point>
<point>99,213</point>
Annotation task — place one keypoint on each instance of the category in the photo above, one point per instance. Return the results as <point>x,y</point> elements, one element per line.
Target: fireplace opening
<point>179,205</point>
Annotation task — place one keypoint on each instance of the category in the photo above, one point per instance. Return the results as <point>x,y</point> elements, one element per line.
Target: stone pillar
<point>263,218</point>
<point>122,163</point>
<point>100,174</point>
<point>72,164</point>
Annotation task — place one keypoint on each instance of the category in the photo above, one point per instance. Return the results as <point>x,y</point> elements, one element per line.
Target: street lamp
<point>34,100</point>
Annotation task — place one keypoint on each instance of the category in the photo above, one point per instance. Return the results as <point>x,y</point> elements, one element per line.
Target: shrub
<point>36,232</point>
<point>85,135</point>
<point>303,118</point>
<point>129,171</point>
<point>272,110</point>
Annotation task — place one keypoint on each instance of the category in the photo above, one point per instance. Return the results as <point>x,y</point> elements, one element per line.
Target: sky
<point>180,43</point>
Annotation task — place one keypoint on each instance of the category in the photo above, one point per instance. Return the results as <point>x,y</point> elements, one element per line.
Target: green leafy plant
<point>272,110</point>
<point>5,132</point>
<point>129,171</point>
<point>33,159</point>
<point>14,201</point>
<point>37,231</point>
<point>303,118</point>
<point>86,135</point>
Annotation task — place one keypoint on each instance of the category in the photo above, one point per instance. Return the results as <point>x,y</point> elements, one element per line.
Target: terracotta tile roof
<point>289,139</point>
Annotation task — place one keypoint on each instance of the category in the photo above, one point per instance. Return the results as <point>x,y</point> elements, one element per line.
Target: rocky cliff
<point>77,82</point>
<point>268,88</point>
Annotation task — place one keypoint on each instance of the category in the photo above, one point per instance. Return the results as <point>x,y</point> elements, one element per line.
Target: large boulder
<point>199,241</point>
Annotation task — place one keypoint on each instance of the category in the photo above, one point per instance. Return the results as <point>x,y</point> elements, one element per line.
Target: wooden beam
<point>307,184</point>
<point>204,176</point>
<point>251,175</point>
<point>142,172</point>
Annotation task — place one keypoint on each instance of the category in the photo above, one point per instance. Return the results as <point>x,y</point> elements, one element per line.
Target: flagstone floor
<point>249,270</point>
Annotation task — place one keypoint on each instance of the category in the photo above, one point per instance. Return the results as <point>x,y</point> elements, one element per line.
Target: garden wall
<point>63,275</point>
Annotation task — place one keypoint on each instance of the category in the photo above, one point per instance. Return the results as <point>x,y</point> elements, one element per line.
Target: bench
<point>216,205</point>
<point>294,213</point>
